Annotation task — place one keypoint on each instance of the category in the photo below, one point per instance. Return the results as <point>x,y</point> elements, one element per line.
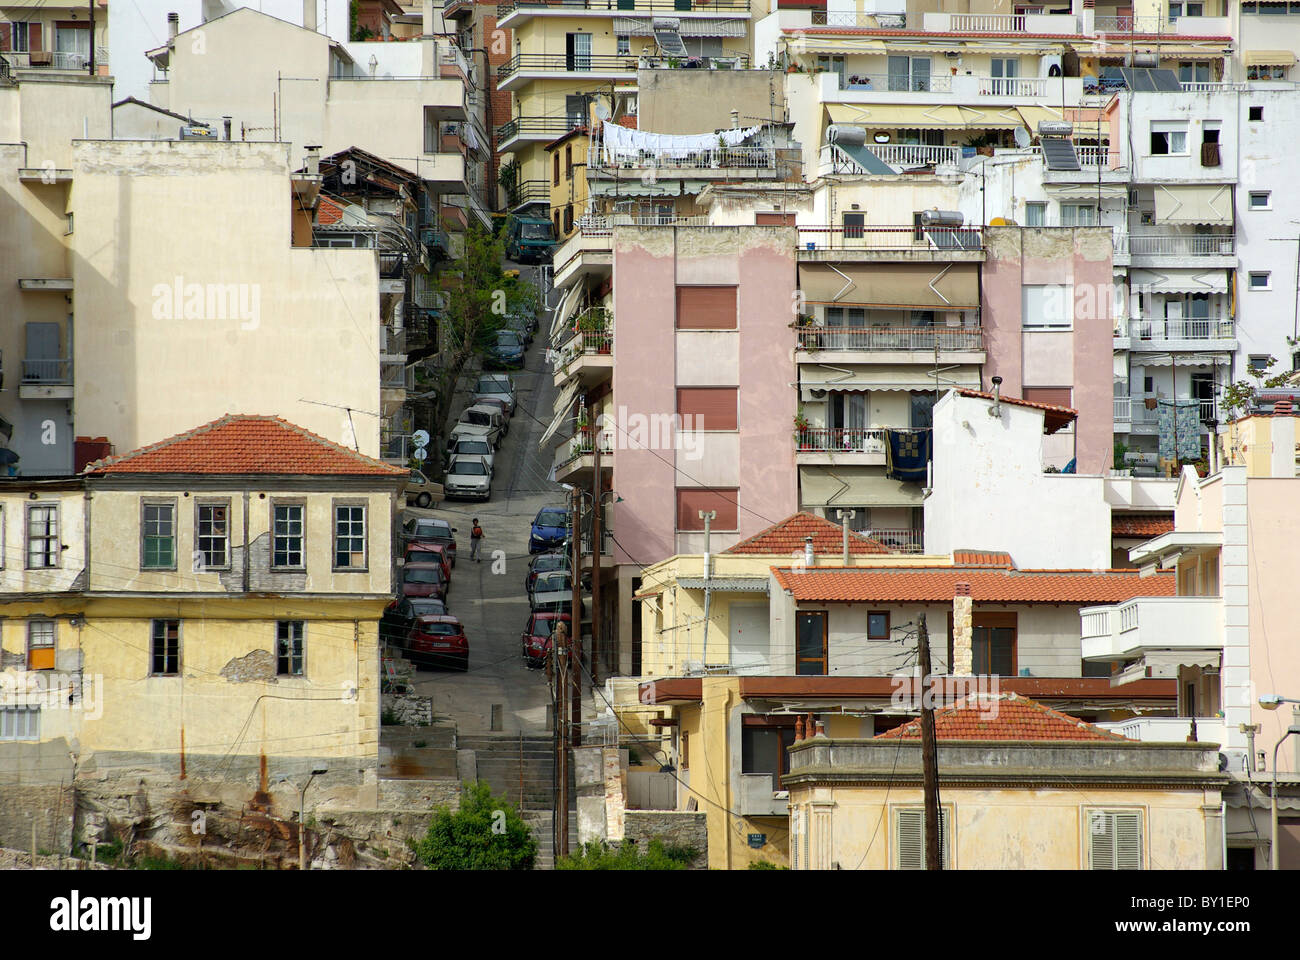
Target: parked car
<point>496,385</point>
<point>425,552</point>
<point>548,529</point>
<point>473,447</point>
<point>469,478</point>
<point>500,403</point>
<point>431,530</point>
<point>544,563</point>
<point>438,641</point>
<point>486,422</point>
<point>539,632</point>
<point>506,353</point>
<point>521,324</point>
<point>395,624</point>
<point>553,592</point>
<point>424,580</point>
<point>422,490</point>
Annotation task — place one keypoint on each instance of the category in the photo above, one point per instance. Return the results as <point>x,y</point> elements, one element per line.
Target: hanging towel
<point>908,453</point>
<point>1182,422</point>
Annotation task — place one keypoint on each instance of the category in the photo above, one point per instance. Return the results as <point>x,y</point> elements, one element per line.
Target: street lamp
<point>1271,701</point>
<point>302,820</point>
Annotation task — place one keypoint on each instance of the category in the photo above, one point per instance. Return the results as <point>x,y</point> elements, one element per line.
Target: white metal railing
<point>891,238</point>
<point>584,344</point>
<point>1208,328</point>
<point>1123,410</point>
<point>1176,245</point>
<point>1094,156</point>
<point>915,154</point>
<point>1035,87</point>
<point>841,440</point>
<point>1213,86</point>
<point>987,23</point>
<point>896,82</point>
<point>1131,24</point>
<point>817,337</point>
<point>598,226</point>
<point>744,157</point>
<point>899,541</point>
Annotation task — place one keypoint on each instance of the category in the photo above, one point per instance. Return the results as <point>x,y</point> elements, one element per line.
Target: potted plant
<point>801,427</point>
<point>594,326</point>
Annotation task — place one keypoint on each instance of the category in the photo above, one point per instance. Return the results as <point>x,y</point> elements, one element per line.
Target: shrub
<point>486,833</point>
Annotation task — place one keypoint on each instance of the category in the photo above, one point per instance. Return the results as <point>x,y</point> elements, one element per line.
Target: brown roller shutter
<point>710,408</point>
<point>34,38</point>
<point>6,37</point>
<point>706,308</point>
<point>1056,396</point>
<point>774,219</point>
<point>691,500</point>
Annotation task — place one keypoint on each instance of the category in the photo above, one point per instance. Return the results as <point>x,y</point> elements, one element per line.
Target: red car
<point>537,636</point>
<point>438,641</point>
<point>421,552</point>
<point>424,580</point>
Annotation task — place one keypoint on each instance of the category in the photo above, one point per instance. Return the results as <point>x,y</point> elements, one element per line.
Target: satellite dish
<point>420,438</point>
<point>1022,137</point>
<point>602,111</point>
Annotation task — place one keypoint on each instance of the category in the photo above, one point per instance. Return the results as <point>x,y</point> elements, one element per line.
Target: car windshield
<point>440,629</point>
<point>543,628</point>
<point>432,529</point>
<point>535,231</point>
<point>553,581</point>
<point>551,562</point>
<point>479,418</point>
<point>552,518</point>
<point>488,385</point>
<point>428,608</point>
<point>424,575</point>
<point>468,468</point>
<point>417,477</point>
<point>476,447</point>
<point>507,338</point>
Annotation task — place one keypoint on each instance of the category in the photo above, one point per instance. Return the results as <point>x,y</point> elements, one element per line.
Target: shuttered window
<point>706,308</point>
<point>690,501</point>
<point>909,833</point>
<point>774,219</point>
<point>1114,840</point>
<point>1057,396</point>
<point>708,408</point>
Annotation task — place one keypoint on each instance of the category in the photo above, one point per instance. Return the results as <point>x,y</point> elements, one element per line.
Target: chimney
<point>226,123</point>
<point>962,631</point>
<point>312,161</point>
<point>809,557</point>
<point>996,409</point>
<point>173,25</point>
<point>309,15</point>
<point>735,119</point>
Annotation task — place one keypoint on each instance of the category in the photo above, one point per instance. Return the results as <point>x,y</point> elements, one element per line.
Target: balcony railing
<point>812,338</point>
<point>892,238</point>
<point>1131,24</point>
<point>396,446</point>
<point>896,82</point>
<point>564,63</point>
<point>1175,245</point>
<point>606,541</point>
<point>1029,87</point>
<point>601,226</point>
<point>891,21</point>
<point>899,541</point>
<point>585,344</point>
<point>396,376</point>
<point>1135,410</point>
<point>1123,409</point>
<point>546,127</point>
<point>840,440</point>
<point>987,23</point>
<point>915,154</point>
<point>55,60</point>
<point>531,191</point>
<point>51,371</point>
<point>654,6</point>
<point>1187,329</point>
<point>745,158</point>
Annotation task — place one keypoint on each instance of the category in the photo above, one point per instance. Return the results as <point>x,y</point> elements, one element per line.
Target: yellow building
<point>567,166</point>
<point>202,613</point>
<point>1020,787</point>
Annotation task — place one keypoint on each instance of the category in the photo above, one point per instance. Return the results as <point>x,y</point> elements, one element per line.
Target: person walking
<point>475,539</point>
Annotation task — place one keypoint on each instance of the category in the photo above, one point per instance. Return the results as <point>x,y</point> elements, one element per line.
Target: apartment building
<point>55,39</point>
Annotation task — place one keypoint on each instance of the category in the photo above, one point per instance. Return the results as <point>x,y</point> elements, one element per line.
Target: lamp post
<point>302,820</point>
<point>1271,701</point>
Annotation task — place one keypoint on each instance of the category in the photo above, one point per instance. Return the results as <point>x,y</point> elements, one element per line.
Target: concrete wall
<point>670,100</point>
<point>674,828</point>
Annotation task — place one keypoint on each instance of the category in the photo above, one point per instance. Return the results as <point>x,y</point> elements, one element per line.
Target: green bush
<point>599,856</point>
<point>486,833</point>
<point>765,865</point>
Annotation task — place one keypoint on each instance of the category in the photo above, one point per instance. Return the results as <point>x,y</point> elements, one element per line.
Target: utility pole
<point>929,758</point>
<point>575,621</point>
<point>596,495</point>
<point>90,5</point>
<point>560,815</point>
<point>708,516</point>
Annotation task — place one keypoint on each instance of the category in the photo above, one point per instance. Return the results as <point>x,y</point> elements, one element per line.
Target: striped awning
<point>643,27</point>
<point>942,116</point>
<point>1156,281</point>
<point>1184,360</point>
<point>1270,58</point>
<point>854,486</point>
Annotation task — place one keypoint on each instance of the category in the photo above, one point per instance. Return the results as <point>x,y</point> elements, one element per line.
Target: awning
<point>1032,116</point>
<point>633,27</point>
<point>886,376</point>
<point>1087,191</point>
<point>1271,58</point>
<point>1154,281</point>
<point>1183,360</point>
<point>849,486</point>
<point>565,309</point>
<point>922,117</point>
<point>713,28</point>
<point>562,404</point>
<point>920,286</point>
<point>1199,203</point>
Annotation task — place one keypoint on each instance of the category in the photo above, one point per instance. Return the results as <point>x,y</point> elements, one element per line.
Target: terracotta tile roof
<point>1145,525</point>
<point>1009,717</point>
<point>242,444</point>
<point>787,537</point>
<point>982,558</point>
<point>987,585</point>
<point>1054,417</point>
<point>627,120</point>
<point>328,212</point>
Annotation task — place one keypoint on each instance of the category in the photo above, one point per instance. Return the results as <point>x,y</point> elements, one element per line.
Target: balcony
<point>1132,415</point>
<point>396,448</point>
<point>587,357</point>
<point>513,13</point>
<point>760,798</point>
<point>898,540</point>
<point>396,375</point>
<point>953,241</point>
<point>1149,624</point>
<point>1164,336</point>
<point>845,446</point>
<point>575,460</point>
<point>1169,729</point>
<point>522,67</point>
<point>543,129</point>
<point>53,60</point>
<point>46,379</point>
<point>868,340</point>
<point>606,544</point>
<point>1172,246</point>
<point>743,161</point>
<point>1162,26</point>
<point>835,160</point>
<point>529,191</point>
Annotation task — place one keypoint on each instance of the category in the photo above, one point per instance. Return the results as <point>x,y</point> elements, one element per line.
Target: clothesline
<point>618,140</point>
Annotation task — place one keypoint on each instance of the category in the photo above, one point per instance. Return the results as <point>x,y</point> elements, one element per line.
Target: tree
<point>1239,398</point>
<point>486,833</point>
<point>508,179</point>
<point>627,856</point>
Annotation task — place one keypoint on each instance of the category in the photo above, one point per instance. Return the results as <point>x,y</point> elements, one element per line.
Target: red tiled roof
<point>627,120</point>
<point>1054,417</point>
<point>241,444</point>
<point>982,558</point>
<point>787,537</point>
<point>1141,524</point>
<point>981,35</point>
<point>1008,717</point>
<point>987,585</point>
<point>328,212</point>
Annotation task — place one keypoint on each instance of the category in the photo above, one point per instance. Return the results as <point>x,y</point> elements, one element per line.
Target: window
<point>289,646</point>
<point>909,73</point>
<point>158,536</point>
<point>1210,155</point>
<point>773,219</point>
<point>1078,215</point>
<point>1168,138</point>
<point>810,643</point>
<point>1194,71</point>
<point>212,531</point>
<point>42,536</point>
<point>1264,71</point>
<point>1004,70</point>
<point>1114,840</point>
<point>349,536</point>
<point>1057,396</point>
<point>575,109</point>
<point>691,500</point>
<point>40,644</point>
<point>909,838</point>
<point>20,723</point>
<point>1035,214</point>
<point>684,754</point>
<point>993,644</point>
<point>1261,200</point>
<point>1047,307</point>
<point>707,408</point>
<point>764,746</point>
<point>165,648</point>
<point>568,162</point>
<point>1259,362</point>
<point>1255,114</point>
<point>20,38</point>
<point>1261,280</point>
<point>555,169</point>
<point>878,625</point>
<point>706,308</point>
<point>568,218</point>
<point>624,45</point>
<point>853,224</point>
<point>287,535</point>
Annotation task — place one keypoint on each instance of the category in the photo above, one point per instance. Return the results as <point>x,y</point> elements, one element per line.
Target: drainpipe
<point>845,516</point>
<point>708,516</point>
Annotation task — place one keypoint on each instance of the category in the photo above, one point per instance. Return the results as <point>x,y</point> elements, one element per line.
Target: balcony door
<point>1004,70</point>
<point>43,354</point>
<point>577,51</point>
<point>810,643</point>
<point>993,643</point>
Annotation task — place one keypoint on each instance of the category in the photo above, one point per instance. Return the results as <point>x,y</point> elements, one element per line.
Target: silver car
<point>468,478</point>
<point>496,386</point>
<point>473,447</point>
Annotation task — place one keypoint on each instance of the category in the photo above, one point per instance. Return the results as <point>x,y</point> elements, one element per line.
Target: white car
<point>480,421</point>
<point>496,386</point>
<point>473,446</point>
<point>468,478</point>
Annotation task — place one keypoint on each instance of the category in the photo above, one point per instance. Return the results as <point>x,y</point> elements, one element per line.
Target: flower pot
<point>1150,403</point>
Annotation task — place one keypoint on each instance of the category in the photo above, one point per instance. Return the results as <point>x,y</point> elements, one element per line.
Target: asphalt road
<point>489,596</point>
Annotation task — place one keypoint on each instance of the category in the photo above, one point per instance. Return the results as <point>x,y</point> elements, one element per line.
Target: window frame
<point>199,537</point>
<point>1039,326</point>
<point>994,620</point>
<point>878,636</point>
<point>785,727</point>
<point>692,392</point>
<point>302,535</point>
<point>284,661</point>
<point>350,503</point>
<point>1167,128</point>
<point>1250,280</point>
<point>7,713</point>
<point>1251,111</point>
<point>1267,196</point>
<point>824,659</point>
<point>54,552</point>
<point>153,651</point>
<point>946,846</point>
<point>1040,207</point>
<point>1113,813</point>
<point>52,645</point>
<point>151,503</point>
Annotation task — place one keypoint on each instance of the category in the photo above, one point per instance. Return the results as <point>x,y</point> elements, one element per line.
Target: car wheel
<point>423,500</point>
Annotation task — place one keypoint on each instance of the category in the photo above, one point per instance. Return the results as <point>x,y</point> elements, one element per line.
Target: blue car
<point>507,352</point>
<point>550,527</point>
